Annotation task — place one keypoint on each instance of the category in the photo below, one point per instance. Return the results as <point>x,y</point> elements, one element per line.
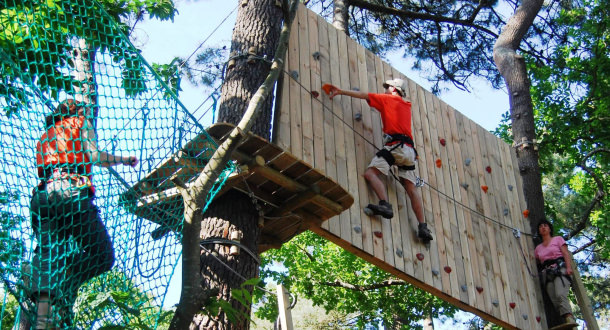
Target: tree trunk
<point>83,72</point>
<point>512,68</point>
<point>340,18</point>
<point>255,39</point>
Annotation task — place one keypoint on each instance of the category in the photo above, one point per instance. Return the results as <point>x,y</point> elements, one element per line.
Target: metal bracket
<point>516,233</point>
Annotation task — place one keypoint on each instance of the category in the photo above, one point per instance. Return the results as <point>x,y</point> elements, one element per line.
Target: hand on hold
<point>331,90</point>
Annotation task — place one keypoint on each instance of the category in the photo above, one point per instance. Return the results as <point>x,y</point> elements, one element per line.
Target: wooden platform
<point>294,196</point>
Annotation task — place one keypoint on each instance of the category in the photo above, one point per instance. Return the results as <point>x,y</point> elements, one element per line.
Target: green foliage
<point>113,301</point>
<point>37,39</point>
<point>215,306</point>
<point>11,243</point>
<point>337,280</point>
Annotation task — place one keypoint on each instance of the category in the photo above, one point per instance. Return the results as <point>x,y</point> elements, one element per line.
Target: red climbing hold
<point>420,256</point>
<point>526,213</point>
<point>443,142</point>
<point>438,163</point>
<point>488,169</point>
<point>479,289</point>
<point>447,269</point>
<point>538,318</point>
<point>512,305</point>
<point>378,234</point>
<point>315,94</point>
<point>485,188</point>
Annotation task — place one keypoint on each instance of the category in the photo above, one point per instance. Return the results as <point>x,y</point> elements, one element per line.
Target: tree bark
<point>512,68</point>
<point>340,18</point>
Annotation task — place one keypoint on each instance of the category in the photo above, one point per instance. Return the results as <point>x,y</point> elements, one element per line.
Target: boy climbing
<point>398,149</point>
<point>63,210</point>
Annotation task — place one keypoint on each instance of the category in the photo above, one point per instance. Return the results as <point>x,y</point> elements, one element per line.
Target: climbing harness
<point>553,268</point>
<point>395,141</point>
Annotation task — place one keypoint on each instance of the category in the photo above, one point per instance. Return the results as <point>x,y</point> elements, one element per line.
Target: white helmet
<point>397,83</point>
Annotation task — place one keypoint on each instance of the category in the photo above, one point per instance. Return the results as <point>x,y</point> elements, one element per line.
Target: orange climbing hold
<point>485,188</point>
<point>327,88</point>
<point>439,163</point>
<point>526,213</point>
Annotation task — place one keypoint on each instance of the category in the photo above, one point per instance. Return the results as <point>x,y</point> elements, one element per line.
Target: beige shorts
<point>404,156</point>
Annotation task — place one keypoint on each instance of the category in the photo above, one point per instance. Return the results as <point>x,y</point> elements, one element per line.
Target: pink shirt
<point>552,251</point>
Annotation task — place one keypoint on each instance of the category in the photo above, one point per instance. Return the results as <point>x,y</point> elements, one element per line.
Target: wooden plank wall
<point>472,228</point>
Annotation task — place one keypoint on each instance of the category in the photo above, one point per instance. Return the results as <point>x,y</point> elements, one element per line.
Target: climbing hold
<point>447,269</point>
<point>378,234</point>
<point>488,169</point>
<point>512,305</point>
<point>315,94</point>
<point>357,229</point>
<point>327,88</point>
<point>464,185</point>
<point>510,187</point>
<point>485,188</point>
<point>443,142</point>
<point>399,253</point>
<point>294,74</point>
<point>438,163</point>
<point>435,272</point>
<point>479,289</point>
<point>495,303</point>
<point>538,318</point>
<point>467,161</point>
<point>316,56</point>
<point>505,211</point>
<point>358,116</point>
<point>420,256</point>
<point>525,317</point>
<point>464,287</point>
<point>526,213</point>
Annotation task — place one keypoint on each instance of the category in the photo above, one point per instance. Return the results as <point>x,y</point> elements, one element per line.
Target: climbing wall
<point>481,258</point>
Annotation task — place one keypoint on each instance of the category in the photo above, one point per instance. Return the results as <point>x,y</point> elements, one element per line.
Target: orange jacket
<point>62,144</point>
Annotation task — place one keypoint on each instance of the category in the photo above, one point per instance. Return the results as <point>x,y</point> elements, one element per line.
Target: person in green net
<point>63,212</point>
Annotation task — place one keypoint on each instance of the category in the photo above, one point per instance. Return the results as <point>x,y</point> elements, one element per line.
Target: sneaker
<point>423,232</point>
<point>384,209</point>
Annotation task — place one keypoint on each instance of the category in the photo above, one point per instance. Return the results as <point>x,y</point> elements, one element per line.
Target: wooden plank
<point>336,151</point>
<point>437,182</point>
<point>472,192</point>
<point>316,104</point>
<point>431,202</point>
<point>367,147</point>
<point>361,160</point>
<point>422,269</point>
<point>305,86</point>
<point>463,268</point>
<point>464,217</point>
<point>296,131</point>
<point>487,229</point>
<point>496,199</point>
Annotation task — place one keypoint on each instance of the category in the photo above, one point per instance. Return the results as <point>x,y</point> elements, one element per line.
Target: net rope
<point>52,237</point>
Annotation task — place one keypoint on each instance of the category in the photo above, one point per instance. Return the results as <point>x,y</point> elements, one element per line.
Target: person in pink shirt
<point>554,260</point>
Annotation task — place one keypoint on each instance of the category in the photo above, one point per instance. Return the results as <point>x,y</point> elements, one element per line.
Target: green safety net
<point>52,235</point>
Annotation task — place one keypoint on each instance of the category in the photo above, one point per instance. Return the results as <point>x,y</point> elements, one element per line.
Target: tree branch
<point>362,288</point>
<point>362,4</point>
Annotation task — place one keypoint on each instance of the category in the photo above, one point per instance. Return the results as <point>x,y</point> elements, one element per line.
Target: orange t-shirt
<point>395,113</point>
<point>63,144</point>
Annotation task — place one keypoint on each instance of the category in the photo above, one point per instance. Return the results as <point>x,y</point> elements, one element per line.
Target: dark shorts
<point>73,243</point>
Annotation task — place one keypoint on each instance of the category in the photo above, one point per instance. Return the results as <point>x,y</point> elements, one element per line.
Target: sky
<point>205,23</point>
